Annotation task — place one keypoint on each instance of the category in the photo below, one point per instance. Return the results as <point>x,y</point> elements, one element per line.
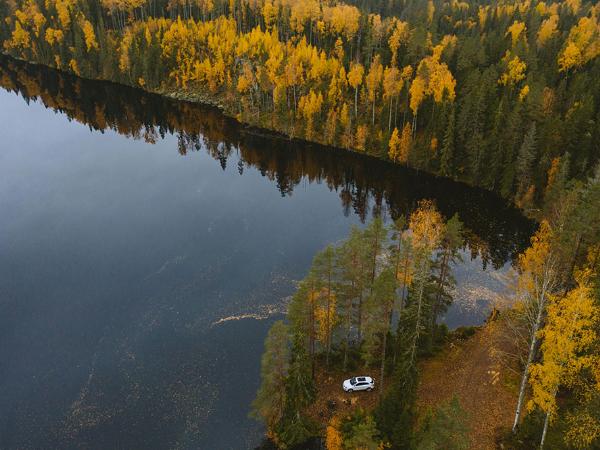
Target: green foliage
<point>359,431</point>
<point>343,312</point>
<point>271,396</point>
<point>395,414</point>
<point>294,427</point>
<point>466,81</point>
<point>444,428</point>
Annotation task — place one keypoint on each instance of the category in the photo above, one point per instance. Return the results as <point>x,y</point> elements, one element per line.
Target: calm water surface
<point>146,246</point>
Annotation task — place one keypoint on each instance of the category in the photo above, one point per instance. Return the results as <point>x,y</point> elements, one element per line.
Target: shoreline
<point>207,101</point>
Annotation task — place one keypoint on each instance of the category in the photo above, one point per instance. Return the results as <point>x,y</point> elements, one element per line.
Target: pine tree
<point>447,151</point>
<point>294,427</point>
<point>323,270</point>
<point>444,428</point>
<point>271,396</point>
<point>525,159</point>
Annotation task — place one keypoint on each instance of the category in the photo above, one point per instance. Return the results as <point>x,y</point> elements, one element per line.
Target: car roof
<point>367,379</point>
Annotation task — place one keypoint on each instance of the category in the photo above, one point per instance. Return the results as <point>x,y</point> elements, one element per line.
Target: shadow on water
<point>106,336</point>
<point>365,185</point>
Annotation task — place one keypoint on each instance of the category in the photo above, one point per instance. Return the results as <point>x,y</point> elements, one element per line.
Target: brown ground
<point>466,368</point>
<point>470,370</point>
<point>329,388</point>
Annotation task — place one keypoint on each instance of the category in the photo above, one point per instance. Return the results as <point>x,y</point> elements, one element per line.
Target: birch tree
<point>537,279</point>
<point>567,337</point>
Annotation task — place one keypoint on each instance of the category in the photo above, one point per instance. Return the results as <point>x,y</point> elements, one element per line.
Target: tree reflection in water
<point>366,185</point>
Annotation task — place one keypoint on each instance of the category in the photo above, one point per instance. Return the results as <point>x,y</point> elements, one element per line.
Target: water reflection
<point>131,277</point>
<point>496,232</point>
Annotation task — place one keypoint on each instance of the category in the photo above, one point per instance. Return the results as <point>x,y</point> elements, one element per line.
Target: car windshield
<point>353,381</point>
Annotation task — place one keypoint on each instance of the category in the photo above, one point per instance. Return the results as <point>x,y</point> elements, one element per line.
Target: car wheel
<point>370,389</point>
<point>349,390</point>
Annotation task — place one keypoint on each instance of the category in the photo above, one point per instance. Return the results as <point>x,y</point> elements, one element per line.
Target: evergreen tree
<point>271,396</point>
<point>444,428</point>
<point>447,151</point>
<point>525,159</point>
<point>294,427</point>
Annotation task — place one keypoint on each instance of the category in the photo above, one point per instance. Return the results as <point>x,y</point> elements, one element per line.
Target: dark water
<point>146,245</point>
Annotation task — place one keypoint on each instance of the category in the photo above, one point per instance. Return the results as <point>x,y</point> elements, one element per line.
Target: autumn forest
<point>498,94</point>
<point>502,95</point>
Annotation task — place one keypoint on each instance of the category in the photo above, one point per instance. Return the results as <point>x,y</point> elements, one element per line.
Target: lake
<point>147,245</point>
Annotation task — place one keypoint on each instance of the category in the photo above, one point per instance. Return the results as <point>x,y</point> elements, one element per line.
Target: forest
<point>373,301</point>
<point>502,95</point>
<point>499,94</point>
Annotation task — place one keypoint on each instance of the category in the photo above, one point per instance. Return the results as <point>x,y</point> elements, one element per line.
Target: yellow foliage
<point>433,145</point>
<point>582,46</point>
<point>534,264</point>
<point>269,12</point>
<point>74,67</point>
<point>430,10</point>
<point>570,57</point>
<point>482,14</point>
<point>302,12</point>
<point>53,36</point>
<point>426,225</point>
<point>63,9</point>
<point>433,78</point>
<point>574,5</point>
<point>516,30</point>
<point>399,146</point>
<point>89,35</point>
<point>515,70</point>
<point>374,77</point>
<point>552,173</point>
<point>355,75</point>
<point>124,62</point>
<point>547,30</point>
<point>394,145</point>
<point>569,332</point>
<point>361,137</point>
<point>391,82</point>
<point>333,437</point>
<point>417,93</point>
<point>399,36</point>
<point>325,316</point>
<point>19,39</point>
<point>310,105</point>
<point>341,19</point>
<point>524,93</point>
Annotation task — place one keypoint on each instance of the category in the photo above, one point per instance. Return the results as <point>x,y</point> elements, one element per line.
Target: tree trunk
<point>383,353</point>
<point>418,321</point>
<point>312,335</point>
<point>347,344</point>
<point>436,305</point>
<point>328,317</point>
<point>545,430</point>
<point>373,120</point>
<point>390,119</point>
<point>530,356</point>
<point>360,299</point>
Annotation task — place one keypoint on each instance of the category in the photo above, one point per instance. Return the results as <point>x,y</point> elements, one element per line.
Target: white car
<point>359,384</point>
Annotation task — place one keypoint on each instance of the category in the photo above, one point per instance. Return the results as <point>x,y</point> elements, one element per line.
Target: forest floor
<point>470,369</point>
<point>331,398</point>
